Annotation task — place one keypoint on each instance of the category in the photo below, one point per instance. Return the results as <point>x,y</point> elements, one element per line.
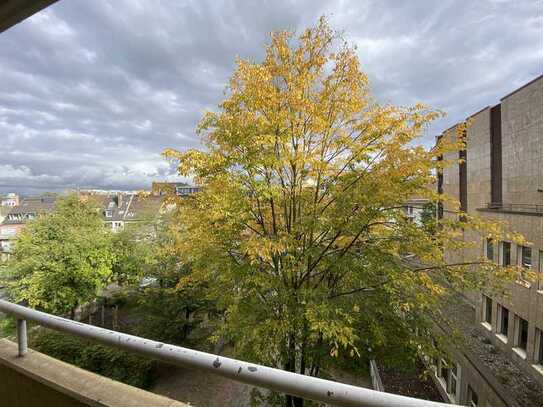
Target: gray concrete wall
<point>39,380</point>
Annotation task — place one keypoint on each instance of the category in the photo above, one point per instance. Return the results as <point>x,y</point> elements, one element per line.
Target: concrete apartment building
<point>500,179</point>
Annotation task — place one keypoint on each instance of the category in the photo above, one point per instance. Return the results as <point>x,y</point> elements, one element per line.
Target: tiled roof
<point>130,207</point>
<point>29,208</point>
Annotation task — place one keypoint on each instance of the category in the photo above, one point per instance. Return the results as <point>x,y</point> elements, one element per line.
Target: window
<point>489,249</point>
<point>525,256</point>
<point>487,310</point>
<point>473,398</point>
<point>521,340</point>
<point>108,214</point>
<point>452,384</point>
<point>539,347</point>
<point>540,277</point>
<point>506,254</point>
<point>503,326</point>
<point>443,370</point>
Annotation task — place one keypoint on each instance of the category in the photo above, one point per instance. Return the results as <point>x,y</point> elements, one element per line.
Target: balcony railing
<point>515,207</point>
<point>275,379</point>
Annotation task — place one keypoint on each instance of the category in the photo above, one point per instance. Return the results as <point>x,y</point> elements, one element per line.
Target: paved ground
<point>200,389</point>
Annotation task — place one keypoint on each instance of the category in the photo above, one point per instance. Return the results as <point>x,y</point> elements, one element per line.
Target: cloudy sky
<point>92,91</point>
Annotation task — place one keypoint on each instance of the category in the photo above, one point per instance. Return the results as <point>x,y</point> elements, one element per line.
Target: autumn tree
<point>62,259</point>
<point>299,228</point>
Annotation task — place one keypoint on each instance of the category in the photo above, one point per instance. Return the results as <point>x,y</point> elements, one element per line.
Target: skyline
<point>92,92</point>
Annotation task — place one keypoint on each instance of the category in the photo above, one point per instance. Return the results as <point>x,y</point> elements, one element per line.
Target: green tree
<point>173,308</point>
<point>62,259</point>
<point>299,229</point>
<point>132,249</point>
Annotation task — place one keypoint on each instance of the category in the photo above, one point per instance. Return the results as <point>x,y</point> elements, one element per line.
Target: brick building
<point>501,179</point>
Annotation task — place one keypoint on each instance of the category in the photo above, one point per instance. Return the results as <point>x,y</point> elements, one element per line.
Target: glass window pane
<point>506,253</point>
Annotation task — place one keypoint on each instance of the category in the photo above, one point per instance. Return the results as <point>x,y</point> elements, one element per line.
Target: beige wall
<point>522,176</point>
<point>39,380</point>
<point>478,160</point>
<point>522,145</point>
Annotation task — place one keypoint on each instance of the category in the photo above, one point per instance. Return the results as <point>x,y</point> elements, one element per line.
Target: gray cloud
<point>92,91</point>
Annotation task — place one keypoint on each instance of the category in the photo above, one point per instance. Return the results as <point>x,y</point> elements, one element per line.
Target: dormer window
<point>109,214</point>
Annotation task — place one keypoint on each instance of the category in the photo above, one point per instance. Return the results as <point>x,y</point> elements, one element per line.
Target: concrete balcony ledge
<point>40,380</point>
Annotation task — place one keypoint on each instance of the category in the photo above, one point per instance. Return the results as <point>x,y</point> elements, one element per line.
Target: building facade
<point>16,218</point>
<point>500,177</point>
<point>9,200</point>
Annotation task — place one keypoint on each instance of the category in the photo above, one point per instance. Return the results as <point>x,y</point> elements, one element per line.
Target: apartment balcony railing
<point>274,379</point>
<point>515,207</point>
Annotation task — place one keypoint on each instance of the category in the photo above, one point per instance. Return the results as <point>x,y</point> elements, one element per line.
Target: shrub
<point>106,361</point>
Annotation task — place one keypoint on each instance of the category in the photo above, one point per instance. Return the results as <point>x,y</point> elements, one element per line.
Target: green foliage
<point>132,255</point>
<point>107,361</point>
<point>167,315</point>
<point>170,312</point>
<point>62,259</point>
<point>8,326</point>
<point>429,216</point>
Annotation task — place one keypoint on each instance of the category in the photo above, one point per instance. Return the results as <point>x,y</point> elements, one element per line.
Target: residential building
<point>173,188</point>
<point>18,216</point>
<point>9,200</point>
<point>500,177</point>
<point>122,209</point>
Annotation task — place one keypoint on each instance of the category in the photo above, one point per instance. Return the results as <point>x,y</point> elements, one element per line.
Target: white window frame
<point>471,392</point>
<point>520,249</point>
<point>520,263</point>
<point>456,396</point>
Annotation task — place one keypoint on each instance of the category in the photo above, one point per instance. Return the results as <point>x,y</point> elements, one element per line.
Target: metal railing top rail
<point>275,379</point>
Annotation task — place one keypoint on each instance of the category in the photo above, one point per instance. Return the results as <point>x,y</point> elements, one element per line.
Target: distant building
<point>9,200</point>
<point>414,207</point>
<point>173,188</point>
<point>18,216</point>
<point>122,209</point>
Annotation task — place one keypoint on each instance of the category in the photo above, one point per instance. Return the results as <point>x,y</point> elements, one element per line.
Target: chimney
<point>119,199</point>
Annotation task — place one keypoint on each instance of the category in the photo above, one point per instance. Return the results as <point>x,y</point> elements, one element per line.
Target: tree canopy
<point>61,259</point>
<point>299,229</point>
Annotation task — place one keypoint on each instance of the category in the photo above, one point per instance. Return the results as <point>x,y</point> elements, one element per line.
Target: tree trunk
<point>186,327</point>
<point>292,401</point>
